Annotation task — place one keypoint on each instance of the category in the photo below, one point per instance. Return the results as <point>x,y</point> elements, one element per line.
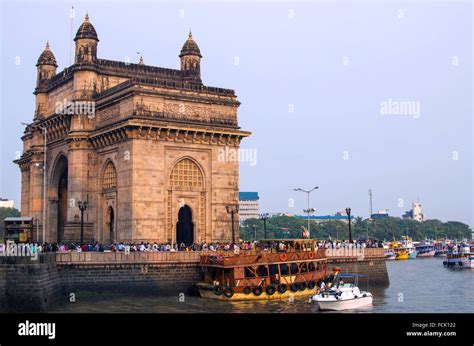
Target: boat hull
<point>402,256</point>
<point>338,305</point>
<point>240,296</point>
<point>427,254</point>
<point>460,263</point>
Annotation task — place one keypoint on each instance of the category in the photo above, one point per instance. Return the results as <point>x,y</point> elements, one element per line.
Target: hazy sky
<point>311,76</point>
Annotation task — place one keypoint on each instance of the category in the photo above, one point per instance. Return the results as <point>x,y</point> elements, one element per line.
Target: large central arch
<point>59,195</point>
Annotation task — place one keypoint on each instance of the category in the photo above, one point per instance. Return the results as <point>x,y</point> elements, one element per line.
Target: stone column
<point>78,167</point>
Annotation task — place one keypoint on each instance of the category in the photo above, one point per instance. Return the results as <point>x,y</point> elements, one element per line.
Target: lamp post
<point>348,212</point>
<point>82,207</point>
<point>264,217</point>
<point>309,210</point>
<point>232,210</point>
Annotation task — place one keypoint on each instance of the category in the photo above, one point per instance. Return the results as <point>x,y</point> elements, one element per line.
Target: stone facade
<point>141,144</point>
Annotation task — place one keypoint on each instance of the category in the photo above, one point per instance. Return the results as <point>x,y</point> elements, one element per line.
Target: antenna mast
<point>72,15</point>
<point>370,201</point>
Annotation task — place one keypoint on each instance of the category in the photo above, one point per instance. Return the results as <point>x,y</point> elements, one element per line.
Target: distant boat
<point>401,254</point>
<point>460,257</point>
<point>412,253</point>
<point>425,250</point>
<point>390,255</point>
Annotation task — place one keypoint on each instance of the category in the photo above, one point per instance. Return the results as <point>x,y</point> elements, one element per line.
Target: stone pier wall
<point>375,269</point>
<point>27,284</point>
<point>136,273</point>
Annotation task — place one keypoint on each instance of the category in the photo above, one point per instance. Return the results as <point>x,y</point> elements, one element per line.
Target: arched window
<point>109,178</point>
<point>187,174</point>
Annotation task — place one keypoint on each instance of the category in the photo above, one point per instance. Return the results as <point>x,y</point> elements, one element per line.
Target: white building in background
<point>6,203</point>
<point>417,212</point>
<point>248,206</point>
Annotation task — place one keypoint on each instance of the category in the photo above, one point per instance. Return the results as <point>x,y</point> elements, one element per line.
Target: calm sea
<point>420,285</point>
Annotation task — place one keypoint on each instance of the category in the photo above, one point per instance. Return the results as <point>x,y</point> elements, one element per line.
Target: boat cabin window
<point>284,269</point>
<point>293,268</point>
<point>262,271</point>
<point>273,268</point>
<point>249,273</point>
<point>214,273</point>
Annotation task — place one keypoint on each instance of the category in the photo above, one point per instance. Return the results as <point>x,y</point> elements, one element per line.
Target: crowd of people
<point>357,244</point>
<point>133,247</point>
<point>276,245</point>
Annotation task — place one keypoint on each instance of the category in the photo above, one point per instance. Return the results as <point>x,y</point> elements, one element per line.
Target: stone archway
<point>186,202</point>
<point>59,198</point>
<point>185,226</point>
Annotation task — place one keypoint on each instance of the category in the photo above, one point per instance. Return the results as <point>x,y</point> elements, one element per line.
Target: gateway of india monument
<point>140,144</point>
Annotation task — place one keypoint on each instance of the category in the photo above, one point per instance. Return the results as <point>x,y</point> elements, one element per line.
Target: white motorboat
<point>344,296</point>
<point>390,255</point>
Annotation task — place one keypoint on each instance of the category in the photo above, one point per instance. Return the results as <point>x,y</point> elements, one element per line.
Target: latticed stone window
<point>186,173</point>
<point>109,179</point>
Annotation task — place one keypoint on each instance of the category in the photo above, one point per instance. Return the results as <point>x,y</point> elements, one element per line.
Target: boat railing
<point>251,252</point>
<point>227,257</point>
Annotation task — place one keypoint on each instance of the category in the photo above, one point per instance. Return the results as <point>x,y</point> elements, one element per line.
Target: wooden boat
<point>264,274</point>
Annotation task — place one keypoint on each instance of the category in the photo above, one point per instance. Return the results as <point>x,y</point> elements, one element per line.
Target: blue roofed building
<point>248,205</point>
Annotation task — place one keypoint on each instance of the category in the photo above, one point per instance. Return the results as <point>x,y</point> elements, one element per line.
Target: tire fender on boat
<point>270,289</point>
<point>228,292</point>
<point>257,290</point>
<point>217,290</point>
<point>282,288</point>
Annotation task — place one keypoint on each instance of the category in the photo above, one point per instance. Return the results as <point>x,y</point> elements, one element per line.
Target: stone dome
<point>86,30</point>
<point>190,47</point>
<point>47,57</point>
